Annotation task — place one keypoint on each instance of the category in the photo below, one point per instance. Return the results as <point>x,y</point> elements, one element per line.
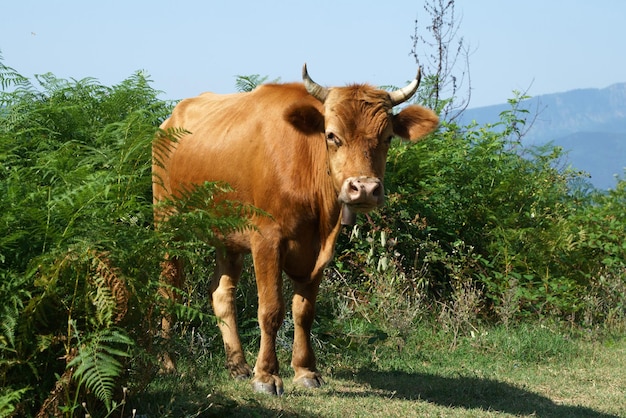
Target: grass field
<point>528,370</point>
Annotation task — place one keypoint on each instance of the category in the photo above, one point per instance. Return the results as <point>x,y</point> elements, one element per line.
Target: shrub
<point>79,258</point>
<point>474,208</point>
<point>77,254</point>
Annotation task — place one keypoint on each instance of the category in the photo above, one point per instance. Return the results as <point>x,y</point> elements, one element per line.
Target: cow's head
<point>359,124</point>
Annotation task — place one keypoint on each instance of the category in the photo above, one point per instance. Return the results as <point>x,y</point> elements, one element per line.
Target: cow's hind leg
<point>223,294</point>
<point>172,279</point>
<point>303,357</point>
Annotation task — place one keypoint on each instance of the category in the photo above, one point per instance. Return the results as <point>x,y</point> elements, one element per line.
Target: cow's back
<point>244,140</point>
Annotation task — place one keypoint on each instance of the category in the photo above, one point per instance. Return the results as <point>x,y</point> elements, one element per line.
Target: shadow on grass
<point>194,404</point>
<point>469,393</point>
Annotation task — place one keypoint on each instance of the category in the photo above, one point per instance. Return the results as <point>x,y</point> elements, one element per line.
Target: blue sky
<point>539,46</point>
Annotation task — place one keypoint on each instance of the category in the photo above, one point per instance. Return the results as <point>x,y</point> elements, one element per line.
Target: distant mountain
<point>590,124</point>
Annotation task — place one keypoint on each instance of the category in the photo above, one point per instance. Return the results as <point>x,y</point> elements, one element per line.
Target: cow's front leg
<point>271,313</point>
<point>303,357</point>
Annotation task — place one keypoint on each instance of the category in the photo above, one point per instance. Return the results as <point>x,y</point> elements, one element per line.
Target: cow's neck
<point>330,212</point>
<point>329,231</point>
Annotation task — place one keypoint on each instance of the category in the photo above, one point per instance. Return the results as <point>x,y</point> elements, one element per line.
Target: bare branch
<point>442,54</point>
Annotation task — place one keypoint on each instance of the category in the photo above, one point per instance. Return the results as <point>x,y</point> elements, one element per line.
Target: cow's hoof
<point>167,365</point>
<point>240,371</point>
<point>310,382</point>
<point>272,386</point>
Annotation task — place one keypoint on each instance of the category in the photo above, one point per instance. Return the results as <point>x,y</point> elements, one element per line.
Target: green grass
<point>528,370</point>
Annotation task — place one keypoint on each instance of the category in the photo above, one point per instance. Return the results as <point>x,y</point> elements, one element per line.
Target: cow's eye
<point>333,139</point>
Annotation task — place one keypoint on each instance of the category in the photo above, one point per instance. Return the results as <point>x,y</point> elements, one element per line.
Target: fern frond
<point>10,78</point>
<point>9,399</point>
<point>246,83</point>
<point>97,364</point>
<point>111,296</point>
<point>187,311</point>
<point>203,212</point>
<point>164,142</point>
<point>13,295</point>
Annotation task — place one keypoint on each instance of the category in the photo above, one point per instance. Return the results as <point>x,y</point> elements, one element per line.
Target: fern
<point>163,143</point>
<point>9,399</point>
<point>204,212</point>
<point>13,295</point>
<point>10,78</point>
<point>97,364</point>
<point>111,295</point>
<point>246,83</point>
<point>184,311</point>
<point>75,210</point>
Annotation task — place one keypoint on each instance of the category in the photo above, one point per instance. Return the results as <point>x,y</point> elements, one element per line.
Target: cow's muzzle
<point>361,194</point>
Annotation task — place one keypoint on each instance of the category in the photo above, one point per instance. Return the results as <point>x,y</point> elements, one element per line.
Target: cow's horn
<point>405,93</point>
<point>314,89</point>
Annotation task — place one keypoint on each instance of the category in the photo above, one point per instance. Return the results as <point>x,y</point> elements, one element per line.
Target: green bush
<point>79,257</point>
<point>473,208</point>
<point>77,252</point>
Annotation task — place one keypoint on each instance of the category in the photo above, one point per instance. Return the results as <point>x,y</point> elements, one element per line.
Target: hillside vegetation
<point>479,231</point>
<point>589,124</point>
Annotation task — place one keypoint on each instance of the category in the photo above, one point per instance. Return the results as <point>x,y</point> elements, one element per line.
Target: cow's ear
<point>414,122</point>
<point>305,118</point>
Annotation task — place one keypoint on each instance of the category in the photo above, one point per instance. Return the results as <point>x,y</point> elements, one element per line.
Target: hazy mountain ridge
<point>590,124</point>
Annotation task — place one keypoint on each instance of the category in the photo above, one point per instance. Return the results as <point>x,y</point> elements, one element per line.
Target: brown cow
<point>301,153</point>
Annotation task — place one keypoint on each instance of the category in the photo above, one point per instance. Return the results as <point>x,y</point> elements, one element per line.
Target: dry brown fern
<point>109,276</point>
